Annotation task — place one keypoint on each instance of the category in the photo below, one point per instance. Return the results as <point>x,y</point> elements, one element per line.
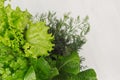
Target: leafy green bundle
<point>22,41</point>
<point>69,34</point>
<point>39,50</point>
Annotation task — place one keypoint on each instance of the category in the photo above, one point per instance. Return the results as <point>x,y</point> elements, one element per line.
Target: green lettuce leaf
<point>38,40</point>
<point>69,64</point>
<point>88,74</point>
<point>43,70</point>
<point>30,75</point>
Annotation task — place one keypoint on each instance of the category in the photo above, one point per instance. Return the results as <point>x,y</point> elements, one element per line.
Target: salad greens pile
<point>69,34</point>
<point>39,50</point>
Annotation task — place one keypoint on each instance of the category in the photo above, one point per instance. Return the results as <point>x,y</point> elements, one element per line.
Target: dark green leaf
<point>43,70</point>
<point>85,75</point>
<point>69,64</point>
<point>89,74</point>
<point>54,72</point>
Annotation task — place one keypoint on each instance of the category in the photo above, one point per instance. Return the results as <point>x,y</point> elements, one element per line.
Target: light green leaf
<point>17,18</point>
<point>39,41</point>
<point>30,75</point>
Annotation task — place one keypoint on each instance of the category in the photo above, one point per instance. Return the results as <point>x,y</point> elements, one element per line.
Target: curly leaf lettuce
<point>16,42</point>
<point>12,25</point>
<point>38,40</point>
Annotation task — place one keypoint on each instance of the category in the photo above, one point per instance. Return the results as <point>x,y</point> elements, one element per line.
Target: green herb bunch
<point>41,49</point>
<point>23,43</point>
<point>69,34</point>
